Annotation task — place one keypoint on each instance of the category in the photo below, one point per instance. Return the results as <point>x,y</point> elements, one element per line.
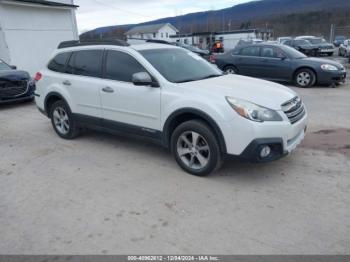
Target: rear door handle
<point>108,89</point>
<point>67,83</point>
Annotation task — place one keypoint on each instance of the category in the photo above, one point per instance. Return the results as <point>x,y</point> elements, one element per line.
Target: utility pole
<point>332,33</point>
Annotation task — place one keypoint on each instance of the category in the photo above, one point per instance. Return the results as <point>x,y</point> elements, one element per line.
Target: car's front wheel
<point>231,70</point>
<point>62,120</point>
<point>305,78</point>
<point>196,148</point>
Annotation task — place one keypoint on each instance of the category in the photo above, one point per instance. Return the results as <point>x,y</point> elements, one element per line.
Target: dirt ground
<point>103,194</point>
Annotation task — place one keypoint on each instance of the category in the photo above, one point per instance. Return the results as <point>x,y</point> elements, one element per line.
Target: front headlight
<point>252,111</point>
<point>328,67</point>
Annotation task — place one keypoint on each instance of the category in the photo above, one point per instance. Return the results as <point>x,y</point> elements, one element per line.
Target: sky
<point>97,13</point>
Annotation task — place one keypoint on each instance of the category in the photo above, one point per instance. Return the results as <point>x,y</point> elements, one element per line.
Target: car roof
<point>138,47</point>
<point>150,46</point>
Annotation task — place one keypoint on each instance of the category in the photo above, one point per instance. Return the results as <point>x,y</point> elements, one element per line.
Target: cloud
<point>96,13</point>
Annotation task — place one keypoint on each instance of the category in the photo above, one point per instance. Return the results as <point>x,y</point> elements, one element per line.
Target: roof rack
<point>74,43</point>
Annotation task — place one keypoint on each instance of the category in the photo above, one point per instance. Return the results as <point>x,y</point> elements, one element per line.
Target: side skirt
<point>118,127</point>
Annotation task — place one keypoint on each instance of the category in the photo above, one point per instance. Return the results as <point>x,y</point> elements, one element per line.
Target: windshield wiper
<point>206,77</point>
<point>211,76</point>
<point>185,81</point>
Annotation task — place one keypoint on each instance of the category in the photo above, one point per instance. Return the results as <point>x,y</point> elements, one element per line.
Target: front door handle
<point>108,89</point>
<point>67,83</point>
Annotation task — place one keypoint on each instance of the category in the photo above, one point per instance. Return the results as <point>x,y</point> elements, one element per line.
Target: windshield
<point>179,65</point>
<point>292,53</point>
<point>316,40</point>
<point>302,42</point>
<point>4,66</point>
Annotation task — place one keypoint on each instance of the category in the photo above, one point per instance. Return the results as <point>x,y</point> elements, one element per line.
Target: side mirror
<point>283,58</point>
<point>13,67</point>
<point>143,79</point>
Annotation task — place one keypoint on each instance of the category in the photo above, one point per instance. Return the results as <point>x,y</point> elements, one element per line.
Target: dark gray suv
<point>280,63</point>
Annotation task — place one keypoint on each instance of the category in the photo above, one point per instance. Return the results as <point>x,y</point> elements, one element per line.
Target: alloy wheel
<point>61,120</point>
<point>193,150</point>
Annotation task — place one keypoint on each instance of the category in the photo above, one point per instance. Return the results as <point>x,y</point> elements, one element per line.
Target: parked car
<point>281,63</point>
<point>325,47</point>
<point>339,40</point>
<point>344,48</point>
<point>195,49</point>
<point>15,85</point>
<point>173,96</point>
<point>280,40</point>
<point>303,46</point>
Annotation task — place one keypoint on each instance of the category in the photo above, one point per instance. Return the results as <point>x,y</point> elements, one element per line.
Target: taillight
<point>38,76</point>
<point>212,59</point>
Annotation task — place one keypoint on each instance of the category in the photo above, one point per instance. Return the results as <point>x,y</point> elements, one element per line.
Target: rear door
<point>248,61</point>
<point>83,82</point>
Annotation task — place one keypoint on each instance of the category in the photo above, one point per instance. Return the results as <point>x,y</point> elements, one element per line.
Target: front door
<point>274,64</point>
<point>124,104</point>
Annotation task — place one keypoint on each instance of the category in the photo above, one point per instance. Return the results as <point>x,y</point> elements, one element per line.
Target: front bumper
<point>332,77</point>
<point>17,99</point>
<point>244,139</point>
<point>29,95</point>
<point>326,51</point>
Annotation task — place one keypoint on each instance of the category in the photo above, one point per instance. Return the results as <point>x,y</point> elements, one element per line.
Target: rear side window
<point>58,64</point>
<point>121,66</point>
<point>86,63</point>
<point>251,51</point>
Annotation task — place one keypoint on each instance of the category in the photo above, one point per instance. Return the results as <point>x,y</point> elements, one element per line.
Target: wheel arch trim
<point>200,114</point>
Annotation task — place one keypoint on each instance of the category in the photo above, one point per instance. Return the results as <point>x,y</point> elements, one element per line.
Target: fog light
<point>265,151</point>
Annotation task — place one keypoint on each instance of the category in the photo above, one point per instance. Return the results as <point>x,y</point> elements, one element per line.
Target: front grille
<point>11,89</point>
<point>294,110</point>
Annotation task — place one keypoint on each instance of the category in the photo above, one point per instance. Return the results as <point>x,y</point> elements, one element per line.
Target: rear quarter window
<point>86,63</point>
<point>58,63</point>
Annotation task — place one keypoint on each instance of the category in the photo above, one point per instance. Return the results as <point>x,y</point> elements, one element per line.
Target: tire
<point>62,120</point>
<point>330,54</point>
<point>196,148</point>
<point>304,78</point>
<point>231,70</point>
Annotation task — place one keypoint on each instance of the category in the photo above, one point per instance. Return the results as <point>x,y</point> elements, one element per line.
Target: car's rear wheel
<point>196,148</point>
<point>231,70</point>
<point>62,120</point>
<point>330,54</point>
<point>304,78</point>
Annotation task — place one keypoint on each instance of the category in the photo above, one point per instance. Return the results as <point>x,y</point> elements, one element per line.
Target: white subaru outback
<point>171,95</point>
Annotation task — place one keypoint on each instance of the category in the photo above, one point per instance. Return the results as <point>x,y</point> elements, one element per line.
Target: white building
<point>230,38</point>
<point>30,30</point>
<point>158,31</point>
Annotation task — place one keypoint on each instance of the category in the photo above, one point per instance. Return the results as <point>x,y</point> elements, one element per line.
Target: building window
<point>167,35</point>
<point>154,35</point>
<point>141,36</point>
<point>162,35</point>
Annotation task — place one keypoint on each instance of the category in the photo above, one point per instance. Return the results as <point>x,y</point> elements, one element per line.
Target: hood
<point>14,75</point>
<point>260,92</point>
<point>326,45</point>
<point>308,46</point>
<point>321,61</point>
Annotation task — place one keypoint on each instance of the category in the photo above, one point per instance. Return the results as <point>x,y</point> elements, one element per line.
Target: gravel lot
<point>103,194</point>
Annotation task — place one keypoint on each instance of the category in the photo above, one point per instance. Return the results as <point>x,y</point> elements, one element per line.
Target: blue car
<point>281,63</point>
<point>15,85</point>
